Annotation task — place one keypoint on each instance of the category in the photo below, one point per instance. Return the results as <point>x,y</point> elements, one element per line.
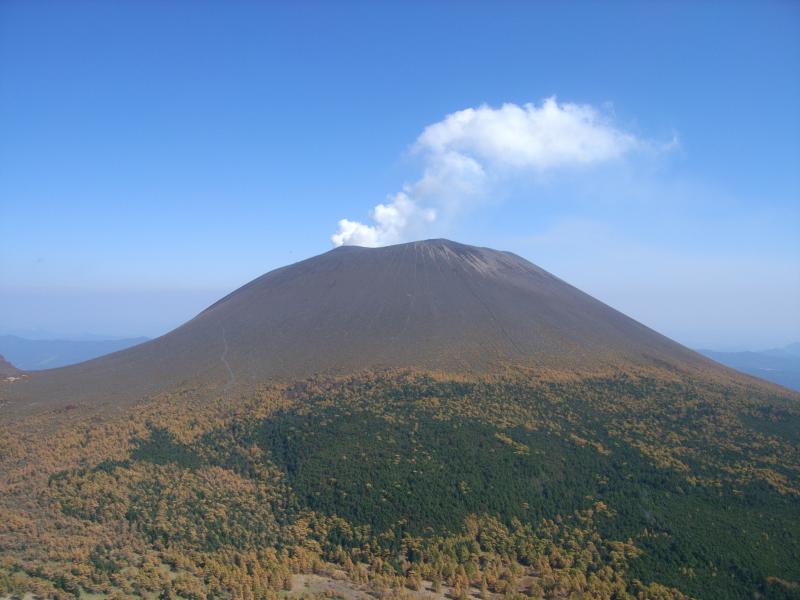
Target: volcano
<point>434,304</point>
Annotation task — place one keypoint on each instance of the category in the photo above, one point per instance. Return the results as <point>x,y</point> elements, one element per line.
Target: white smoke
<point>470,150</point>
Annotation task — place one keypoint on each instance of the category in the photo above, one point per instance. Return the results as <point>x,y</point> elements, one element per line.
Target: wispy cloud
<point>470,151</point>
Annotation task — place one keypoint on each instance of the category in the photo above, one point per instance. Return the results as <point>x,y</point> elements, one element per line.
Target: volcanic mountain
<point>433,304</point>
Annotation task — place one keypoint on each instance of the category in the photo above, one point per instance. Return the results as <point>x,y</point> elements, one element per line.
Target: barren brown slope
<point>434,304</point>
<point>7,369</point>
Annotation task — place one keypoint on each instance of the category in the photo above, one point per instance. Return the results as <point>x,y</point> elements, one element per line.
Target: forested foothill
<point>541,484</point>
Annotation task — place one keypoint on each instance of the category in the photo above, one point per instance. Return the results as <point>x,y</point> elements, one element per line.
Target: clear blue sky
<point>156,155</point>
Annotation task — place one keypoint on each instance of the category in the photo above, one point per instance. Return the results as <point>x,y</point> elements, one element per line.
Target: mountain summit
<point>433,304</point>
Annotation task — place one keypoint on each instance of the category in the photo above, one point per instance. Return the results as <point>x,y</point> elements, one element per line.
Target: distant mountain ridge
<point>778,365</point>
<point>31,355</point>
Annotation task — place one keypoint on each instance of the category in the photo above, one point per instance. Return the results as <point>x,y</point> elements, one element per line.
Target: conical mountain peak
<point>432,304</point>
